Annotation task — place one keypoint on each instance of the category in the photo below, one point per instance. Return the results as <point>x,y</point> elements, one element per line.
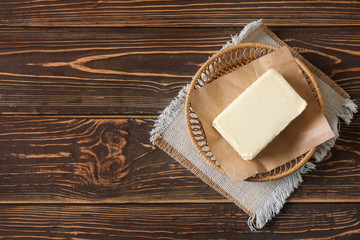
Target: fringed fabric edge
<point>168,115</point>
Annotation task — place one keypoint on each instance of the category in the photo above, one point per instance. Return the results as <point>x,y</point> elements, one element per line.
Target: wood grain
<point>43,13</point>
<point>85,160</point>
<point>137,70</point>
<point>81,83</point>
<point>175,221</point>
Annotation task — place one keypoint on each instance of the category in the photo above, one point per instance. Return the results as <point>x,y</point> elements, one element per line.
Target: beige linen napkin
<point>260,200</point>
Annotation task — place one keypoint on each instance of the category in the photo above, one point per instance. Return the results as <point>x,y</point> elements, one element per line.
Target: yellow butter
<point>259,114</point>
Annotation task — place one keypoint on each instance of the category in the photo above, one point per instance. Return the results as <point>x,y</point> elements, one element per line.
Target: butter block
<point>259,114</point>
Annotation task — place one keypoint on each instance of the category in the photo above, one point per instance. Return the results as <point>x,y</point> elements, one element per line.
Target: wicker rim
<point>312,79</point>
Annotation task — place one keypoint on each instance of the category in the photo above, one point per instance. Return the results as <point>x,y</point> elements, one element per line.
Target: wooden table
<point>81,83</point>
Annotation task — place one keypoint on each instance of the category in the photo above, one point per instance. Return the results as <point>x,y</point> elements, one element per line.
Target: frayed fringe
<point>308,167</point>
<point>236,39</point>
<point>323,149</point>
<point>278,198</point>
<point>347,113</point>
<point>168,114</point>
<point>251,223</point>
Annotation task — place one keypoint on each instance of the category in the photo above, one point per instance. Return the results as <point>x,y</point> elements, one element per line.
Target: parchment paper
<point>306,131</point>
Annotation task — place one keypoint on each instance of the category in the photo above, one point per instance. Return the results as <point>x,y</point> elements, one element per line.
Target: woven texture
<point>221,64</point>
<point>260,200</point>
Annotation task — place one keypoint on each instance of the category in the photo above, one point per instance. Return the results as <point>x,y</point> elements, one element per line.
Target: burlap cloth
<point>260,200</point>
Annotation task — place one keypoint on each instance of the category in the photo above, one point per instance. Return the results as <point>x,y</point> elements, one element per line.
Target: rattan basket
<point>223,63</point>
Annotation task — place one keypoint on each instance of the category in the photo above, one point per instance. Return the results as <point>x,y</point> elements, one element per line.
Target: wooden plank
<point>137,71</point>
<point>181,221</point>
<point>84,160</point>
<point>177,13</point>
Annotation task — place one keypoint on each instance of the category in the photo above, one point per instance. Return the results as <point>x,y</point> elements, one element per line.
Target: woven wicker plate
<point>221,64</point>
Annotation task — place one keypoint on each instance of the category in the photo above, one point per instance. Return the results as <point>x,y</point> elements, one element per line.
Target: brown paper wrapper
<point>306,131</point>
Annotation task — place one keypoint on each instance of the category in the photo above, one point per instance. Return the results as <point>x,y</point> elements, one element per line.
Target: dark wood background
<point>81,83</point>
